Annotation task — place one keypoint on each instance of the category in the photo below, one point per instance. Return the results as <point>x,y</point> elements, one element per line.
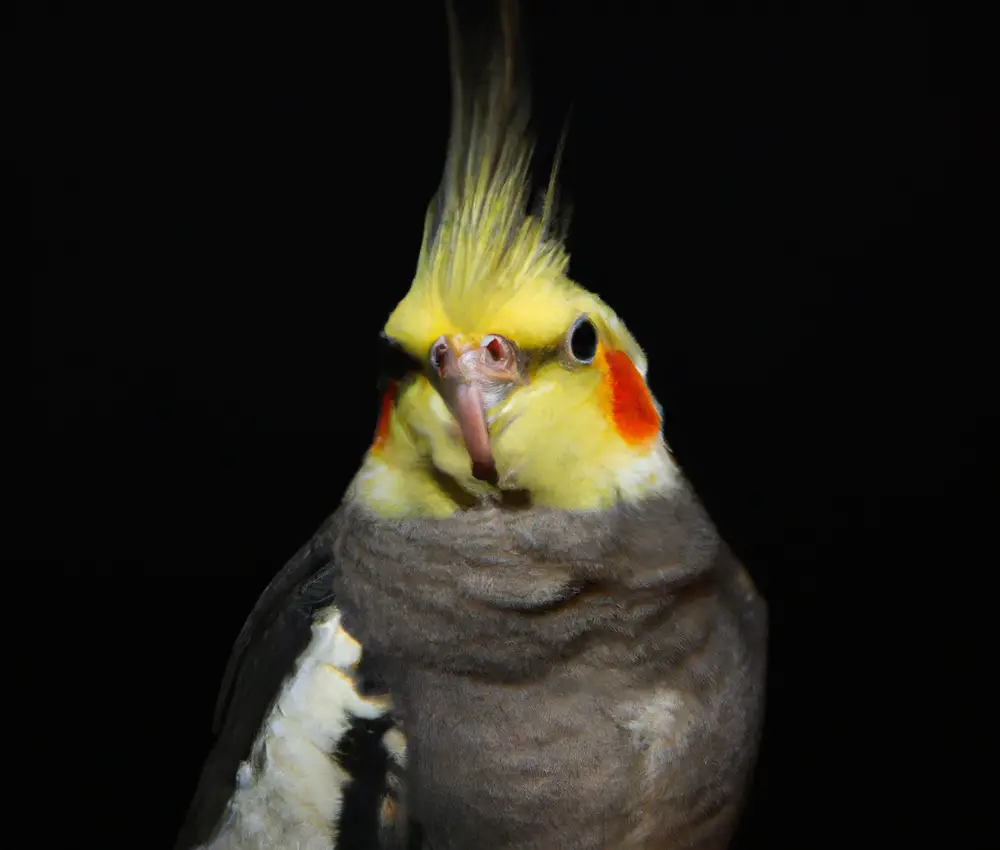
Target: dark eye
<point>395,363</point>
<point>581,341</point>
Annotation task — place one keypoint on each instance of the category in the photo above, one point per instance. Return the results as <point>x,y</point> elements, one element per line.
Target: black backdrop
<point>227,201</point>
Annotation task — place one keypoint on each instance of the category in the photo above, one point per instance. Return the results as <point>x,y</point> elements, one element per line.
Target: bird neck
<point>539,576</point>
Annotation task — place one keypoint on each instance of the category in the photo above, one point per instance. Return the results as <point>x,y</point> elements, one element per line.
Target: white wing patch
<point>289,793</point>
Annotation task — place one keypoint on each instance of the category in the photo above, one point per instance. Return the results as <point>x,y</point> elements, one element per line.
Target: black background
<point>227,200</point>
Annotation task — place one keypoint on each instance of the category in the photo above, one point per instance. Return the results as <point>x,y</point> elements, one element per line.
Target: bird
<point>520,628</point>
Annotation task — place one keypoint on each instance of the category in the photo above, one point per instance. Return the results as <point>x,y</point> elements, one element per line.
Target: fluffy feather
<point>289,792</point>
<point>565,680</point>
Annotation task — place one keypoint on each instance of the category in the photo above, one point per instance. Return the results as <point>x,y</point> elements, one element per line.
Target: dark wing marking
<point>274,635</point>
<point>312,561</point>
<point>376,779</point>
<point>362,755</point>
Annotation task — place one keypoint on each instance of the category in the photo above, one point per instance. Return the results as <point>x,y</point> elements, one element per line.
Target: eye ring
<point>582,341</point>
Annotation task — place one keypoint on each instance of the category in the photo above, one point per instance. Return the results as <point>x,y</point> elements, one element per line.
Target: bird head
<point>515,379</point>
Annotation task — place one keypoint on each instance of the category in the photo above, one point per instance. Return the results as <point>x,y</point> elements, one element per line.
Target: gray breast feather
<point>584,681</point>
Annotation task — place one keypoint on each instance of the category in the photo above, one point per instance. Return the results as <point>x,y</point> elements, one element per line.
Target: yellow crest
<point>488,263</point>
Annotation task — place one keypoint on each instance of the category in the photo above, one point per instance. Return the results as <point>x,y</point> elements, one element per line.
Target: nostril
<point>439,352</point>
<point>494,347</point>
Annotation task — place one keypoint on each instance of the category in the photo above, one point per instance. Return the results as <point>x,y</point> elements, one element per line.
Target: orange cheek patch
<point>632,407</point>
<point>385,416</point>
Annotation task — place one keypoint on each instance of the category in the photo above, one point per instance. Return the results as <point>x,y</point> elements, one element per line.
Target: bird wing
<point>290,641</point>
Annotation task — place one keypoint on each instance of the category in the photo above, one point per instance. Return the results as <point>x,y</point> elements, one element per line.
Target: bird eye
<point>581,340</point>
<point>395,363</point>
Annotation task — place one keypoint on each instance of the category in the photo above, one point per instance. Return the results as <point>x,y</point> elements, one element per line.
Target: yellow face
<point>571,425</point>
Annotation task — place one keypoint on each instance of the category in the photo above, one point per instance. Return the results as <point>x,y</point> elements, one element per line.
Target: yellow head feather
<point>485,259</point>
<point>490,265</point>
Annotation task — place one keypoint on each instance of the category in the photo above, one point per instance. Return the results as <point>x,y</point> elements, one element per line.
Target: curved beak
<point>472,379</point>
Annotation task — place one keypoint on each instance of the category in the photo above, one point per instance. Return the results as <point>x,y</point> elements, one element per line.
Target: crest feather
<point>481,242</point>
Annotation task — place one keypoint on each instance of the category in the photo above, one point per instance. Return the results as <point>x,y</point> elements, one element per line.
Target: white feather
<point>294,799</point>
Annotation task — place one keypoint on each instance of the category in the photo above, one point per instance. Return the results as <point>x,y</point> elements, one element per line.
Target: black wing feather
<point>274,635</point>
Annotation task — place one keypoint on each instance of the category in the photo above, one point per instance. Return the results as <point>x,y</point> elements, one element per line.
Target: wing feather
<point>272,638</point>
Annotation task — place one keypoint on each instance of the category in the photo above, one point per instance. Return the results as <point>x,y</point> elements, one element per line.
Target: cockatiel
<point>520,610</point>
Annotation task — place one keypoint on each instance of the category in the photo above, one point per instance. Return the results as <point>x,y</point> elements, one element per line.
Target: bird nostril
<point>439,351</point>
<point>495,348</point>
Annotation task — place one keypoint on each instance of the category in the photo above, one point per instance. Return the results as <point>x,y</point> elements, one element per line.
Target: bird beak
<point>472,379</point>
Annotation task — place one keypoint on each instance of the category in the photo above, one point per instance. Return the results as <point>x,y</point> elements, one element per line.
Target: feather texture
<point>578,680</point>
<point>298,755</point>
<point>483,243</point>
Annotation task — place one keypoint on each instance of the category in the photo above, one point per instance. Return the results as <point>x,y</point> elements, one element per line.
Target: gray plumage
<point>565,681</point>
